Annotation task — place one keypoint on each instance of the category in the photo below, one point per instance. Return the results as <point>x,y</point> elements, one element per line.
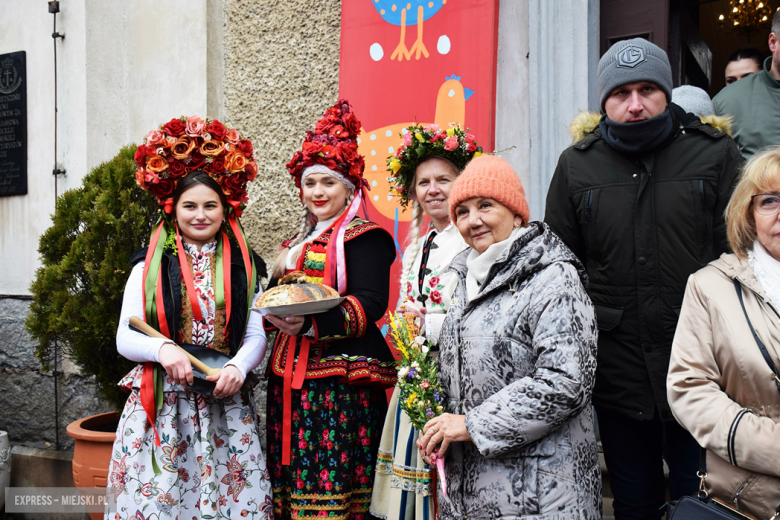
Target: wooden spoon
<point>141,325</point>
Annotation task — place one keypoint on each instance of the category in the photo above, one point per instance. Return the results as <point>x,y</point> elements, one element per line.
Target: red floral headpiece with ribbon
<point>333,143</point>
<point>190,143</point>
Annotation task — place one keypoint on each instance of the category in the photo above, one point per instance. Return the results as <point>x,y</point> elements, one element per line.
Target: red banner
<point>416,60</point>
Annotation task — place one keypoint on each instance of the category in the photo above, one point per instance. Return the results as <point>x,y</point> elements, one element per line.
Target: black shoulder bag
<point>700,506</point>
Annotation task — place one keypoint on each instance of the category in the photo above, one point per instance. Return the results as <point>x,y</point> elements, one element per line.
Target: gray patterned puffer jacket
<point>520,361</point>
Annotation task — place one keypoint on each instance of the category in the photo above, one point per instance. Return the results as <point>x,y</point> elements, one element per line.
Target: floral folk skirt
<point>402,485</point>
<point>210,460</point>
<point>335,435</point>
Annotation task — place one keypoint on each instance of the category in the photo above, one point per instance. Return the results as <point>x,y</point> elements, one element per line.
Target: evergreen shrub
<point>77,293</point>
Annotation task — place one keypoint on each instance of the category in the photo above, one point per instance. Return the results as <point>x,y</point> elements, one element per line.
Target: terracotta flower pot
<point>92,452</point>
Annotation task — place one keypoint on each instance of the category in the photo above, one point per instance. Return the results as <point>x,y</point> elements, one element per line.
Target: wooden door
<point>670,24</point>
<point>626,19</point>
<point>689,55</point>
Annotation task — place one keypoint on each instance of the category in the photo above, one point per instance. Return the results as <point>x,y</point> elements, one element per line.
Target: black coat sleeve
<point>729,177</point>
<point>559,211</point>
<point>369,257</point>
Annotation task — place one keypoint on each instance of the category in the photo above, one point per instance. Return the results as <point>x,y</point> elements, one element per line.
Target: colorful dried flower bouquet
<point>420,394</point>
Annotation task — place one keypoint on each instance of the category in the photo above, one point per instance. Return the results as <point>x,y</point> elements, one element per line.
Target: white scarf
<point>478,265</point>
<point>767,271</point>
<point>295,252</point>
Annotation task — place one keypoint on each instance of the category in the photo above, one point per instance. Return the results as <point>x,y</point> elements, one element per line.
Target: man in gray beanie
<point>639,198</point>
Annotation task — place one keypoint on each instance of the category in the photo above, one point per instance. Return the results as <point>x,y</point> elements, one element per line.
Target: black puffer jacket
<point>172,290</point>
<point>641,226</point>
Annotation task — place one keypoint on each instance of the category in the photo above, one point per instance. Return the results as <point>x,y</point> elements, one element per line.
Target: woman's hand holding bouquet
<point>418,381</point>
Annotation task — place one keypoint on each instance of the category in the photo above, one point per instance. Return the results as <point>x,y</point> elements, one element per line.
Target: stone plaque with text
<point>13,124</point>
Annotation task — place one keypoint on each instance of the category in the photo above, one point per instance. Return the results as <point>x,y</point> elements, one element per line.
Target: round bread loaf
<point>295,293</point>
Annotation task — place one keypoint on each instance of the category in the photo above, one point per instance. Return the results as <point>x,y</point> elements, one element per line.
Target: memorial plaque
<point>13,124</point>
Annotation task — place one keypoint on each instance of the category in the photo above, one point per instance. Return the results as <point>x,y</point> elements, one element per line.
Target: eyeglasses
<point>766,203</point>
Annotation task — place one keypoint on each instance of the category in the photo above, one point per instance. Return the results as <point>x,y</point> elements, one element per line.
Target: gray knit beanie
<point>693,99</point>
<point>631,61</point>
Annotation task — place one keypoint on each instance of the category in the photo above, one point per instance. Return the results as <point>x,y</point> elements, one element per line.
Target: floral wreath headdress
<point>167,155</point>
<point>183,145</point>
<point>332,148</point>
<point>332,144</point>
<point>420,143</point>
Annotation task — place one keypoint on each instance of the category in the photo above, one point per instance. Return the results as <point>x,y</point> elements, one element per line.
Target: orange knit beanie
<point>492,177</point>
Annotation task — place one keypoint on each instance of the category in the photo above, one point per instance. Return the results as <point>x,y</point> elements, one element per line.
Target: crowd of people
<point>644,310</point>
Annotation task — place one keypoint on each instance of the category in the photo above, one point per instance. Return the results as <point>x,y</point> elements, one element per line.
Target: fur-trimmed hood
<point>587,121</point>
<point>722,123</point>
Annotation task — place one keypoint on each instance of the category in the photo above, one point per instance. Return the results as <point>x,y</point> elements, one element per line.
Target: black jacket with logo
<point>642,225</point>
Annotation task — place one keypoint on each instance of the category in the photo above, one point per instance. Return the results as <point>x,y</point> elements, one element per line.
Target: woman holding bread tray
<point>180,453</point>
<point>328,371</point>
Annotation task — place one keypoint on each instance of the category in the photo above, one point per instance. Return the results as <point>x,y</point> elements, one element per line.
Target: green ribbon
<point>150,284</point>
<point>253,281</point>
<point>158,402</point>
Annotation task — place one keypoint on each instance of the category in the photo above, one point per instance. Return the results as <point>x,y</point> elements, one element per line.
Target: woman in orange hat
<point>517,363</point>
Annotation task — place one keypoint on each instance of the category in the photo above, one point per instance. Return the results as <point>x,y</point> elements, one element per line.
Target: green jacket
<point>641,226</point>
<point>754,105</point>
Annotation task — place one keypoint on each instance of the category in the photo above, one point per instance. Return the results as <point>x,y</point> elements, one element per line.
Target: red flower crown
<point>189,143</point>
<point>333,143</point>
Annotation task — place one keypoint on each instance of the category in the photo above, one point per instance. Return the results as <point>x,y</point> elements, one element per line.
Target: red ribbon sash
<point>287,397</point>
<point>162,322</point>
<point>226,278</point>
<point>147,398</point>
<point>292,381</point>
<point>244,251</point>
<point>146,392</point>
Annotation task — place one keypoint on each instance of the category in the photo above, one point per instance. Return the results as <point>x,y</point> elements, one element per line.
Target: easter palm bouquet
<point>420,394</point>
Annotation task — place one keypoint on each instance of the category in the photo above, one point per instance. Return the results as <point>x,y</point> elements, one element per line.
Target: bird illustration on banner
<point>377,144</point>
<point>410,12</point>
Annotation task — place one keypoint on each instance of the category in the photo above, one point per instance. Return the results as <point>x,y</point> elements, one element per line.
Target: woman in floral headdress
<point>326,409</point>
<point>184,449</point>
<point>423,171</point>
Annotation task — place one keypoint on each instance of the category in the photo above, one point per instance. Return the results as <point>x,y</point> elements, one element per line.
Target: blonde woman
<point>329,371</point>
<point>424,169</point>
<point>722,383</point>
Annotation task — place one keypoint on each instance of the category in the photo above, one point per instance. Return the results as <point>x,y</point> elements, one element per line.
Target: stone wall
<point>27,406</point>
<point>281,72</point>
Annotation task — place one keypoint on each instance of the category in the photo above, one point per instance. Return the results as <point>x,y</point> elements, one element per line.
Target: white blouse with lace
<point>140,348</point>
<point>434,291</point>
